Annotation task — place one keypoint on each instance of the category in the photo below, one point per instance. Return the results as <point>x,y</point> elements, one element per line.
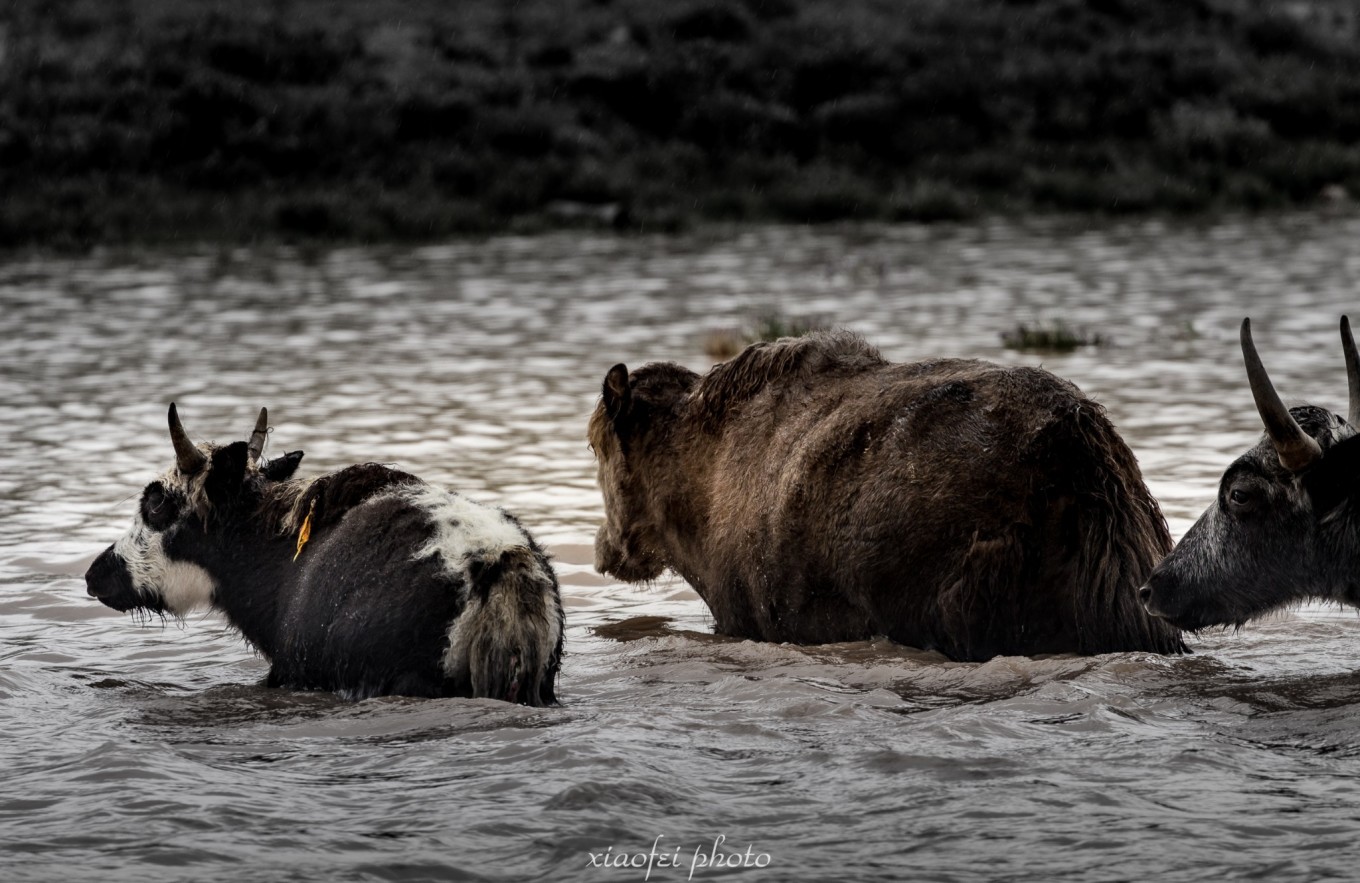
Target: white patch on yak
<point>461,526</point>
<point>180,586</point>
<point>522,614</point>
<point>187,587</point>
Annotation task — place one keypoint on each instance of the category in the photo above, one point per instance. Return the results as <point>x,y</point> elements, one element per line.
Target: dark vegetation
<point>1052,337</point>
<point>724,343</point>
<point>167,119</point>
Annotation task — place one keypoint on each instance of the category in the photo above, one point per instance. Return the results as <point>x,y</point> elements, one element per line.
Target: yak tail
<point>1065,577</point>
<point>507,642</point>
<point>1114,534</point>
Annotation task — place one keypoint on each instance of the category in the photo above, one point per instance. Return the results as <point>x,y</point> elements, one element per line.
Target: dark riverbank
<point>163,120</point>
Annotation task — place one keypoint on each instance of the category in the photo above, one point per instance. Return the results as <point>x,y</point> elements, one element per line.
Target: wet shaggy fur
<point>811,491</point>
<point>403,588</point>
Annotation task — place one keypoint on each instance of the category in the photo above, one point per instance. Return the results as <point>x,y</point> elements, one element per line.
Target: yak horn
<point>1296,449</point>
<point>1352,371</point>
<point>188,457</point>
<point>258,437</point>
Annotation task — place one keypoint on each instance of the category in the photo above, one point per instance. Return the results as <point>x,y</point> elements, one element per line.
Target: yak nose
<point>106,576</point>
<point>1157,597</point>
<point>96,576</point>
<point>1145,596</point>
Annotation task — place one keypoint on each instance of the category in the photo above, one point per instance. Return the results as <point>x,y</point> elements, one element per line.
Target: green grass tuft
<point>724,343</point>
<point>1052,337</point>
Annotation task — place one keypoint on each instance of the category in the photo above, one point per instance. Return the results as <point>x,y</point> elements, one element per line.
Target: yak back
<point>326,498</point>
<point>367,617</point>
<point>778,366</point>
<point>958,505</point>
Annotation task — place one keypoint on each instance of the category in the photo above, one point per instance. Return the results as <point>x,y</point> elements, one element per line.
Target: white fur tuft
<point>180,586</point>
<point>462,527</point>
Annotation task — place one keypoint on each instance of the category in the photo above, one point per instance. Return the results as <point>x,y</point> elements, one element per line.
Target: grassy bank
<point>169,119</point>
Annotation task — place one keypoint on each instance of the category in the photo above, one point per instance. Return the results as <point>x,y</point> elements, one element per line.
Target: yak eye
<point>158,508</point>
<point>1241,497</point>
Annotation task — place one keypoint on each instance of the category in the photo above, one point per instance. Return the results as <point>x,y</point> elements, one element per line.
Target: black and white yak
<point>1285,526</point>
<point>811,491</point>
<point>365,581</point>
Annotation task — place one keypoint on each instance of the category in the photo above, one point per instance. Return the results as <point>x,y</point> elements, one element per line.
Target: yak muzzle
<point>109,582</point>
<point>612,558</point>
<point>1154,598</point>
<point>1163,597</point>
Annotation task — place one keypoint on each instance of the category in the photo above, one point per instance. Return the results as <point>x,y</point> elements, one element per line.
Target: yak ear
<point>1335,478</point>
<point>228,473</point>
<point>282,468</point>
<point>616,392</point>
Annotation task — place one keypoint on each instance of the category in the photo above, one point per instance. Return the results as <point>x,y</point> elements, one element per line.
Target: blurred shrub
<point>312,118</point>
<point>1213,133</point>
<point>826,193</point>
<point>732,121</point>
<point>722,22</point>
<point>258,47</point>
<point>424,117</point>
<point>932,200</point>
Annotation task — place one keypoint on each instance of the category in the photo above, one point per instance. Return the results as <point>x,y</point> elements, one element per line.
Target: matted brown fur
<point>810,491</point>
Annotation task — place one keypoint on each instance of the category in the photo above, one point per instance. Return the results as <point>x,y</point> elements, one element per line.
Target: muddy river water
<point>151,752</point>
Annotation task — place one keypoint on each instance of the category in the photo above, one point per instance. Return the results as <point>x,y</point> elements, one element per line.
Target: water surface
<point>150,752</point>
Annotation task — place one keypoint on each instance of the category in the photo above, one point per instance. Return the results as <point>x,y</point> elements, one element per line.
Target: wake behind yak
<point>811,491</point>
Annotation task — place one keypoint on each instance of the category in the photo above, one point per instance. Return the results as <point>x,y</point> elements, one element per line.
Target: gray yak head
<point>151,567</point>
<point>1284,527</point>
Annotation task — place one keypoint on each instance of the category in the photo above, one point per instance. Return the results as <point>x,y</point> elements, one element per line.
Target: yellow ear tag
<point>306,533</point>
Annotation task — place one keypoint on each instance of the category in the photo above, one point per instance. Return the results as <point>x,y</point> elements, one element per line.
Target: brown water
<point>150,752</point>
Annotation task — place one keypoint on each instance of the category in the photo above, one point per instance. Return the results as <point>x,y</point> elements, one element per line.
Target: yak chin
<point>609,560</point>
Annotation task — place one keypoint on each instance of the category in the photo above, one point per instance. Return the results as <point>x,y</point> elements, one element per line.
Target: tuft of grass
<point>1184,331</point>
<point>724,343</point>
<point>1052,337</point>
<point>772,326</point>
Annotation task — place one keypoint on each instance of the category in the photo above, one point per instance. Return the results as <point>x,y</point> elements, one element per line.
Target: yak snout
<point>1156,596</point>
<point>109,582</point>
<point>1181,601</point>
<point>625,560</point>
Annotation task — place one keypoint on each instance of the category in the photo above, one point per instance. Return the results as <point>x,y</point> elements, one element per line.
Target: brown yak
<point>811,491</point>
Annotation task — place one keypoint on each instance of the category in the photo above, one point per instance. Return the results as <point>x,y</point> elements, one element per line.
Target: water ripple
<point>153,751</point>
